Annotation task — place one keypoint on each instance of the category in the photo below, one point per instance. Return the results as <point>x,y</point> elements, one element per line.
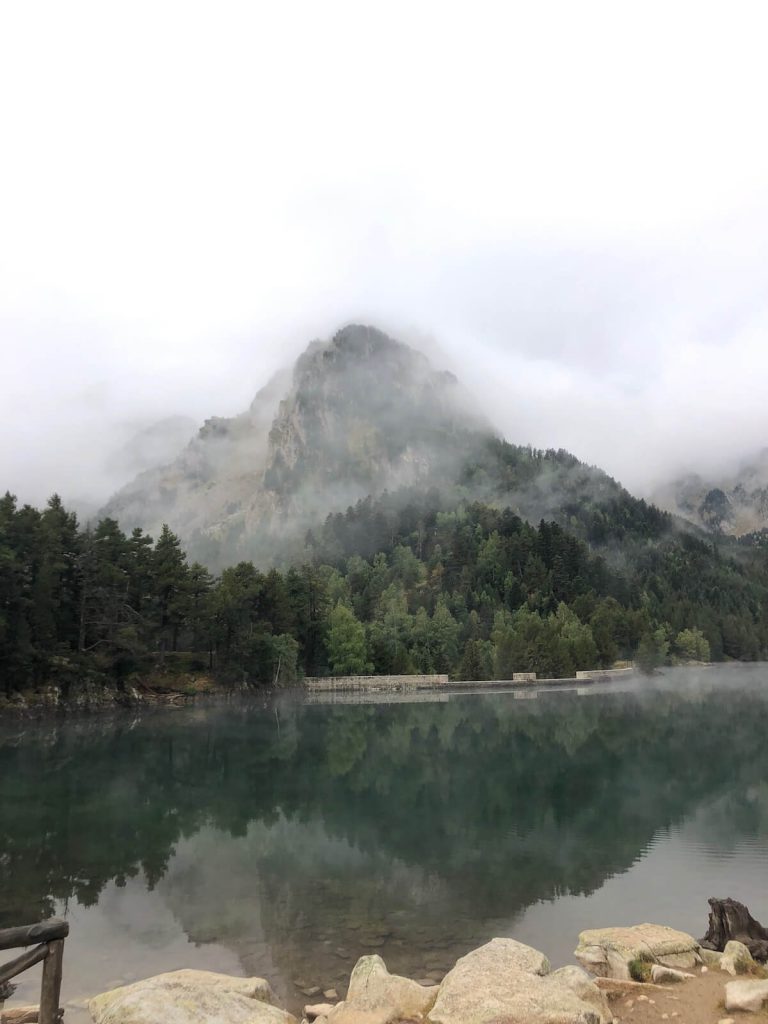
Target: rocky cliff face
<point>359,415</point>
<point>736,504</point>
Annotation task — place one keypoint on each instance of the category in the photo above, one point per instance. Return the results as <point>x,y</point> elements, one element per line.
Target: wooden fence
<point>47,938</point>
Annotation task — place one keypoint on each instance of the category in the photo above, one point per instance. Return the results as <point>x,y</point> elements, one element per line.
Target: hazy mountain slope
<point>151,446</point>
<point>360,415</point>
<point>206,484</point>
<point>735,504</point>
<point>139,450</point>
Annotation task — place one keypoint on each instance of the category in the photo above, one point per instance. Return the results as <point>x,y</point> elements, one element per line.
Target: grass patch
<point>640,969</point>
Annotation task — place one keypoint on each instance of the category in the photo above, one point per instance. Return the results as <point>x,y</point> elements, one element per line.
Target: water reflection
<point>300,837</point>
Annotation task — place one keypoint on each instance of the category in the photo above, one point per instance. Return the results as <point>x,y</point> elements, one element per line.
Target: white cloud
<point>570,197</point>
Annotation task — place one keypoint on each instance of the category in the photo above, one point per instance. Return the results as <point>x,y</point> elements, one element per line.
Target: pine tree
<point>169,580</point>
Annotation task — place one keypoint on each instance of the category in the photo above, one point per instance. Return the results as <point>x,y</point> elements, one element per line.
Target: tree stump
<point>729,919</point>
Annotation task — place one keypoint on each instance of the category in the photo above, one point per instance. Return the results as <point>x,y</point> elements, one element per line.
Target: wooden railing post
<point>50,937</point>
<point>50,988</point>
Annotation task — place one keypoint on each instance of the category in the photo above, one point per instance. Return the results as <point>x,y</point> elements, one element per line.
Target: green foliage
<point>395,585</point>
<point>435,639</point>
<point>639,969</point>
<point>477,660</point>
<point>652,651</point>
<point>556,645</point>
<point>284,660</point>
<point>692,645</point>
<point>347,647</point>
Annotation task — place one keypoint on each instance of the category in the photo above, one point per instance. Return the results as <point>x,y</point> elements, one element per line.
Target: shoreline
<point>204,691</point>
<point>49,702</point>
<point>641,973</point>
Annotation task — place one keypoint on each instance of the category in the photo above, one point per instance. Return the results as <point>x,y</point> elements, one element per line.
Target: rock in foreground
<point>510,982</point>
<point>190,997</point>
<point>748,996</point>
<point>608,952</point>
<point>377,997</point>
<point>737,959</point>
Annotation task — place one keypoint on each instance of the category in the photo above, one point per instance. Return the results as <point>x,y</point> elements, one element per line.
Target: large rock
<point>749,996</point>
<point>375,996</point>
<point>608,952</point>
<point>507,981</point>
<point>737,959</point>
<point>580,984</point>
<point>190,997</point>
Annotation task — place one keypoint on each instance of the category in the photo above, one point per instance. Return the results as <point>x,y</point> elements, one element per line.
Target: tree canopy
<point>470,590</point>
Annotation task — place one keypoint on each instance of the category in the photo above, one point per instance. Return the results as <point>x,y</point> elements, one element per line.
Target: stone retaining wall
<point>334,684</point>
<point>605,673</point>
<point>411,696</point>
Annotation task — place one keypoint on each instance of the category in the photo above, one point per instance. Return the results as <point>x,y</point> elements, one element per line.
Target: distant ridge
<point>734,504</point>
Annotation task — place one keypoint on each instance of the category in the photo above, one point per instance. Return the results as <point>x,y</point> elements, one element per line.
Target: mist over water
<point>286,840</point>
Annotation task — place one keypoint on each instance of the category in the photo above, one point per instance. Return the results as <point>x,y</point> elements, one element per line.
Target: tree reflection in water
<point>305,836</point>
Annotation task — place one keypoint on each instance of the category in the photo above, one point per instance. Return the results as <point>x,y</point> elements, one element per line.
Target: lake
<point>283,839</point>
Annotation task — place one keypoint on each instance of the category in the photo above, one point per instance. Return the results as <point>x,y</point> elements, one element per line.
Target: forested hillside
<point>408,582</point>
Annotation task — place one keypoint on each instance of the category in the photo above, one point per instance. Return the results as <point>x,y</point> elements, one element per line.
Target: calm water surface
<point>286,840</point>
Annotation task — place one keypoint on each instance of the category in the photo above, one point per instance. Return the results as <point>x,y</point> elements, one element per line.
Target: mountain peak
<point>362,339</point>
<point>361,350</point>
<point>363,413</point>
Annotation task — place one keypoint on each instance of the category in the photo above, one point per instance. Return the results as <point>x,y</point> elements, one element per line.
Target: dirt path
<point>700,1000</point>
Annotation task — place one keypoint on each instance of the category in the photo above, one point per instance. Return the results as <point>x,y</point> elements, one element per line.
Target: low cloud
<point>581,241</point>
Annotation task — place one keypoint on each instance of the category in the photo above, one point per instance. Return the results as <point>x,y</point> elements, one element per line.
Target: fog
<point>564,204</point>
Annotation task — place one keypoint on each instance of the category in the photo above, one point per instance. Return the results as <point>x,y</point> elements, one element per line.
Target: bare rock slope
<point>359,415</point>
<point>734,503</point>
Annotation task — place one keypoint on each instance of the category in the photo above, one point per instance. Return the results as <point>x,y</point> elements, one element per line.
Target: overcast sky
<point>570,199</point>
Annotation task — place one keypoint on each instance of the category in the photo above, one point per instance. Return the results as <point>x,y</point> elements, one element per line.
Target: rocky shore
<point>90,695</point>
<point>640,974</point>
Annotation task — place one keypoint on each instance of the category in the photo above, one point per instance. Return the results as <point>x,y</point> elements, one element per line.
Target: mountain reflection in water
<point>288,839</point>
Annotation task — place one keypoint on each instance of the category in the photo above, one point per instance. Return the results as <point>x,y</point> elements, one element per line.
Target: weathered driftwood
<point>614,987</point>
<point>730,920</point>
<point>24,1015</point>
<point>45,931</point>
<point>20,1015</point>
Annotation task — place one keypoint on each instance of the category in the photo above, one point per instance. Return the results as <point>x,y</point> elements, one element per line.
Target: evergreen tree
<point>395,587</point>
<point>347,648</point>
<point>169,584</point>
